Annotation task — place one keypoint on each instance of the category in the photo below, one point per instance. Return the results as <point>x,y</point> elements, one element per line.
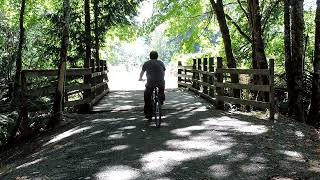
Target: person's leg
<point>147,102</point>
<point>161,93</point>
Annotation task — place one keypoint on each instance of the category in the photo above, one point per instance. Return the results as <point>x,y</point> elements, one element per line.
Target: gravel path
<point>195,142</point>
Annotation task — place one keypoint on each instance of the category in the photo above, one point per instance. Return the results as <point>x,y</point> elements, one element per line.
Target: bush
<point>7,122</point>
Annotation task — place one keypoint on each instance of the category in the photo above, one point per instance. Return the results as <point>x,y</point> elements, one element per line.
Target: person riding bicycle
<point>155,78</point>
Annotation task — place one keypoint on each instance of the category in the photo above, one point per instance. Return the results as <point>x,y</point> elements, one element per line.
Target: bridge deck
<point>195,142</point>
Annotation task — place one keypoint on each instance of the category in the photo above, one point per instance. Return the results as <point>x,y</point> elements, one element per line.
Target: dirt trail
<point>195,142</point>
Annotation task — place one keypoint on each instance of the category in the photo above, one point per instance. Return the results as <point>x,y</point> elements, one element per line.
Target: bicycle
<point>156,108</point>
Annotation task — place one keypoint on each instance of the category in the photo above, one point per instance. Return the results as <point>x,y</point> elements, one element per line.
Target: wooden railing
<point>201,79</point>
<point>97,88</point>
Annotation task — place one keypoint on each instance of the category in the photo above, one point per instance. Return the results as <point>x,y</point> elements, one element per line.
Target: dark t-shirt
<point>155,71</point>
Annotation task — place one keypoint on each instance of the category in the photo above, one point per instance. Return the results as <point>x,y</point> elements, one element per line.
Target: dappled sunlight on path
<point>196,142</point>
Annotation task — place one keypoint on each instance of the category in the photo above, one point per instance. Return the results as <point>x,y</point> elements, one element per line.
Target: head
<point>153,55</point>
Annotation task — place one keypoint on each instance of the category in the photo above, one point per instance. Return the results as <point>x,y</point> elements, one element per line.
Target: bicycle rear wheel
<point>157,113</point>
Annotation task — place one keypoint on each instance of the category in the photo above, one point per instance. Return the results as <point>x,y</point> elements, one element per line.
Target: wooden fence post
<point>194,75</point>
<point>205,76</point>
<point>271,84</point>
<point>211,77</point>
<point>185,77</point>
<point>179,73</point>
<point>219,90</point>
<point>199,74</point>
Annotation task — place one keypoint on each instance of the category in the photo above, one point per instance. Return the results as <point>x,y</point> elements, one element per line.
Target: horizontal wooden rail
<point>185,67</point>
<point>244,71</point>
<point>210,83</point>
<point>184,75</point>
<point>97,98</point>
<point>258,104</point>
<point>47,91</point>
<point>77,102</point>
<point>48,73</point>
<point>96,74</point>
<point>264,88</point>
<point>93,88</point>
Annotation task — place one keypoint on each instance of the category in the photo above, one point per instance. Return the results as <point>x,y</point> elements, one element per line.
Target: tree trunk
<point>58,99</point>
<point>288,55</point>
<point>87,62</point>
<point>231,62</point>
<point>21,42</point>
<point>314,114</point>
<point>17,82</point>
<point>96,31</point>
<point>297,29</point>
<point>17,85</point>
<point>259,60</point>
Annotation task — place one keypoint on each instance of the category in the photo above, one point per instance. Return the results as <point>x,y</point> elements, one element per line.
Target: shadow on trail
<point>195,142</point>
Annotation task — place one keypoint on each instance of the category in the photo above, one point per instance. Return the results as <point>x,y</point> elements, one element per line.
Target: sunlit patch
<point>238,157</point>
<point>253,129</point>
<point>314,165</point>
<point>96,132</point>
<point>299,134</point>
<point>117,173</point>
<point>107,120</point>
<point>115,136</point>
<point>124,107</point>
<point>67,134</point>
<point>205,146</point>
<point>187,115</point>
<point>252,168</point>
<point>127,127</point>
<point>219,171</point>
<point>29,163</point>
<point>200,109</point>
<point>119,148</point>
<point>187,131</point>
<point>293,155</point>
<point>227,123</point>
<point>163,161</point>
<point>258,159</point>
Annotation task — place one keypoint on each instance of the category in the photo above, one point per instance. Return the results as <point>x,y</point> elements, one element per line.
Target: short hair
<point>153,55</point>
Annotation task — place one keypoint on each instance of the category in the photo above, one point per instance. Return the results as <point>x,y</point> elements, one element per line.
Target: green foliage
<point>7,122</point>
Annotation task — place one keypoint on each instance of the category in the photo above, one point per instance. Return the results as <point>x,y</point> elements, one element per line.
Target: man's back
<point>155,71</point>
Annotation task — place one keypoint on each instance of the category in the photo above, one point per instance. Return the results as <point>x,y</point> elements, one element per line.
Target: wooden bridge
<point>196,141</point>
<point>84,87</point>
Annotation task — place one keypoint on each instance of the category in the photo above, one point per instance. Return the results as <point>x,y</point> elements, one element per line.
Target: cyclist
<point>155,78</point>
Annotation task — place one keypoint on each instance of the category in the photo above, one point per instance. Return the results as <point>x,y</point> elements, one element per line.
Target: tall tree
<point>297,30</point>
<point>21,41</point>
<point>288,55</point>
<point>231,62</point>
<point>314,114</point>
<point>87,61</point>
<point>17,90</point>
<point>96,30</point>
<point>259,60</point>
<point>58,99</point>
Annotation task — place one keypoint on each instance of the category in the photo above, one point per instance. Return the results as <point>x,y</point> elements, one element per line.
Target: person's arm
<point>141,75</point>
<point>144,68</point>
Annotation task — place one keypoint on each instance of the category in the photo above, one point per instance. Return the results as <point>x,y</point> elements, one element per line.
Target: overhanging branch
<point>239,29</point>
